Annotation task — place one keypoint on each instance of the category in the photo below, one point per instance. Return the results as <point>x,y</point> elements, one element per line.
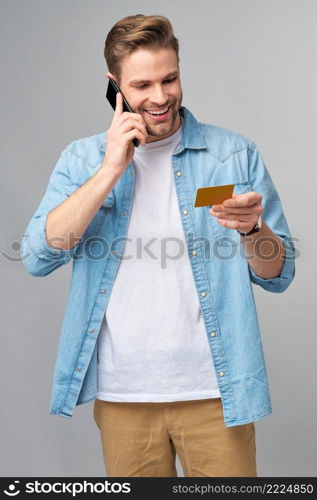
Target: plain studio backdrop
<point>248,66</point>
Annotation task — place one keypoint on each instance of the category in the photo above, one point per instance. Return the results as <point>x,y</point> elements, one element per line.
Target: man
<point>161,329</point>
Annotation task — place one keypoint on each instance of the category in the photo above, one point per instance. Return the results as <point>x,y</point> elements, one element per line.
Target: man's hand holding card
<point>235,211</point>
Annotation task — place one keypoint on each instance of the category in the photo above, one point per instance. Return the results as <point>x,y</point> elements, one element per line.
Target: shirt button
<point>185,212</point>
<point>123,212</point>
<point>114,252</point>
<point>91,330</point>
<point>179,173</point>
<point>102,290</point>
<point>213,334</point>
<point>78,369</point>
<point>203,294</point>
<point>194,252</point>
<point>221,374</point>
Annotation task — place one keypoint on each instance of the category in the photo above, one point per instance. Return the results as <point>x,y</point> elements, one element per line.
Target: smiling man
<point>161,329</point>
<point>150,81</point>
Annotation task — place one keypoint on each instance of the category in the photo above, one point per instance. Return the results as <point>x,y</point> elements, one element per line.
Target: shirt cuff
<point>278,283</point>
<point>39,246</point>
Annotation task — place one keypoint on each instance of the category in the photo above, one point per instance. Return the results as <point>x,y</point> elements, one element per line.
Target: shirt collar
<point>191,133</point>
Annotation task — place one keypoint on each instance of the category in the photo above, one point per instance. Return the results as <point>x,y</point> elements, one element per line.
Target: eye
<point>165,81</point>
<point>171,79</point>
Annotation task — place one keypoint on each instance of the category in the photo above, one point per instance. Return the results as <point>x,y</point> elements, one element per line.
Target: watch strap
<point>256,228</point>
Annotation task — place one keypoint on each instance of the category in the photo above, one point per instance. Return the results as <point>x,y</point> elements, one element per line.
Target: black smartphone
<point>112,97</point>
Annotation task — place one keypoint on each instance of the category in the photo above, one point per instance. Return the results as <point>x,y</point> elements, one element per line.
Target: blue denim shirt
<point>206,156</point>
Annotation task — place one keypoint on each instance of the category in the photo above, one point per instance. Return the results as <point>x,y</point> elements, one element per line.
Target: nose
<point>158,97</point>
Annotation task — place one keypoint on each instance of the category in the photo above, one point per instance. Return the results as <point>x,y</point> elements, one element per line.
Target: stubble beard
<point>165,127</point>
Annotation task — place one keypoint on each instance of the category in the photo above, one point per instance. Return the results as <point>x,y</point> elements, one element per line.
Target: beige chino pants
<point>142,439</point>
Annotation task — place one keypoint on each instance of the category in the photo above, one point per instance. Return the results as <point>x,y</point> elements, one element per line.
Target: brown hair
<point>133,32</point>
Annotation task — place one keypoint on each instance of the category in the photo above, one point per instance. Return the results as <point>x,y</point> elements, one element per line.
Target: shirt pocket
<point>101,217</point>
<point>224,236</point>
<point>108,201</point>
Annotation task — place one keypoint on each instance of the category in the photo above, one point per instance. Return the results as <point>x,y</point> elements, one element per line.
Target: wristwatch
<point>255,228</point>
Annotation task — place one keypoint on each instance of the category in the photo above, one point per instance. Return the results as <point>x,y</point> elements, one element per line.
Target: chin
<point>159,132</point>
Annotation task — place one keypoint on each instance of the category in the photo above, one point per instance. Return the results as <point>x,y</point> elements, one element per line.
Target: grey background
<point>246,65</point>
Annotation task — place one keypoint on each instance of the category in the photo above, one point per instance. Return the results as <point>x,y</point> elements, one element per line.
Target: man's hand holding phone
<point>125,126</point>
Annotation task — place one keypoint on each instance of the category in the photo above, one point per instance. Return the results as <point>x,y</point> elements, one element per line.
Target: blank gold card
<point>213,195</point>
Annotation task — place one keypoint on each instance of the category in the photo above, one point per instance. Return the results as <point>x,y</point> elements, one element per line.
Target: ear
<point>108,74</point>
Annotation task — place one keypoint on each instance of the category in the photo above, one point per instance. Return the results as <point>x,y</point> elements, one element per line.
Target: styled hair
<point>133,32</point>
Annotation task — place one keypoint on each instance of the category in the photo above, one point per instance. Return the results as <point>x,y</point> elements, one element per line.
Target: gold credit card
<point>213,195</point>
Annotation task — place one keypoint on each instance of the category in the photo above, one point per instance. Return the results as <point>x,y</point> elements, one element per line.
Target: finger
<point>242,218</point>
<point>127,125</point>
<point>244,227</point>
<point>126,115</point>
<point>253,209</point>
<point>119,105</point>
<point>135,134</point>
<point>243,200</point>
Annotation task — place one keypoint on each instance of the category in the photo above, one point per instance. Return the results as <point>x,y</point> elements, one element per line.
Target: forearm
<point>265,251</point>
<point>67,222</point>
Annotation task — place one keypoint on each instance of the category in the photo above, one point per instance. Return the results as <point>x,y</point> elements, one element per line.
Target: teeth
<point>158,112</point>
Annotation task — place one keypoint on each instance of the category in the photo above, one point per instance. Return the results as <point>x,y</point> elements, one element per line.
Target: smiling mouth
<point>159,115</point>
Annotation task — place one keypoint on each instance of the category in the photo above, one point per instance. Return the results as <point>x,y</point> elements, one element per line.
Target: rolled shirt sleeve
<point>38,257</point>
<point>261,182</point>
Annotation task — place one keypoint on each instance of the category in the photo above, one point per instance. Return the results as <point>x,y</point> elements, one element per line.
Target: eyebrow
<point>173,73</point>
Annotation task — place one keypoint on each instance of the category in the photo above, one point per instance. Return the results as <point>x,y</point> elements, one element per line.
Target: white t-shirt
<point>152,344</point>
